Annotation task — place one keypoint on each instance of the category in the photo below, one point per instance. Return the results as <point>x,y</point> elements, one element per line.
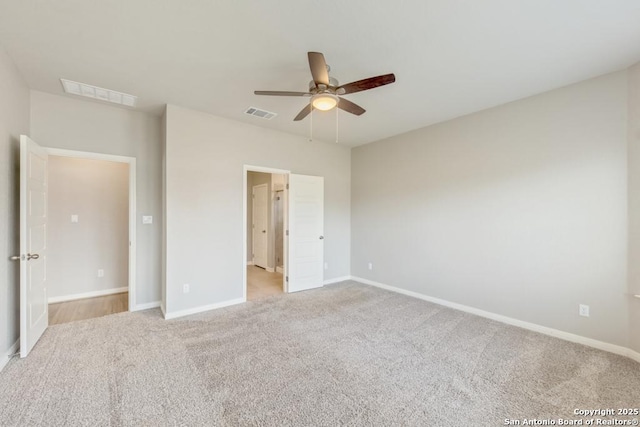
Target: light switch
<point>74,218</point>
<point>147,219</point>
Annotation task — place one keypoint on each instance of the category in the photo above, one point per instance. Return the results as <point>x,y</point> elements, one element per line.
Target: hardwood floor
<point>88,308</point>
<point>261,283</point>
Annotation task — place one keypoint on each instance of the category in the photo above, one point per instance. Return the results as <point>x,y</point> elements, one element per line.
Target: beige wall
<point>14,121</point>
<point>205,155</point>
<point>520,210</point>
<point>98,192</point>
<point>75,124</point>
<point>634,205</point>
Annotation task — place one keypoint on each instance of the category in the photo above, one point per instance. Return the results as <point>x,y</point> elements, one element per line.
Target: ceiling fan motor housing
<point>333,85</point>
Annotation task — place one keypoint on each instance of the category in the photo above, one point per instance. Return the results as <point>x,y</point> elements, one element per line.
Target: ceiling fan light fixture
<point>324,101</point>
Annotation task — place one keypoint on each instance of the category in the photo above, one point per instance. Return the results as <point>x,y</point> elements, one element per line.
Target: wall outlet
<point>584,310</point>
<point>326,265</point>
<point>185,288</point>
<point>370,266</point>
<point>101,273</point>
<point>74,218</point>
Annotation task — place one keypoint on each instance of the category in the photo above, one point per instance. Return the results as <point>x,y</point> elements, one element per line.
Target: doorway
<point>265,234</point>
<point>296,215</point>
<point>88,234</point>
<point>35,233</point>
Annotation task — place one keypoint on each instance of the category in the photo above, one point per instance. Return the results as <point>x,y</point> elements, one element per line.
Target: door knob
<point>321,237</point>
<point>32,256</point>
<point>15,258</point>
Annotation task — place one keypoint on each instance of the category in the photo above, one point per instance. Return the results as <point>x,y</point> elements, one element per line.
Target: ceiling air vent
<point>253,111</point>
<point>101,94</point>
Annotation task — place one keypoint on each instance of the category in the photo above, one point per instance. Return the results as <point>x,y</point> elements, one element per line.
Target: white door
<point>34,312</point>
<point>260,224</point>
<point>306,240</point>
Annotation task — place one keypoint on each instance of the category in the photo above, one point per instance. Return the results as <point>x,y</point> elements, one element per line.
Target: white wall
<point>98,192</point>
<point>14,121</point>
<point>75,124</point>
<point>205,155</point>
<point>634,205</point>
<point>520,210</point>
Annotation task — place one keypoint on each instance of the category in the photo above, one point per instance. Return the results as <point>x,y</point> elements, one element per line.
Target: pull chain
<point>310,121</point>
<point>337,124</point>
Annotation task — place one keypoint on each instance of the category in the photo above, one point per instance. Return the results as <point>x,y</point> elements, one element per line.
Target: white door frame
<point>245,170</point>
<point>131,161</point>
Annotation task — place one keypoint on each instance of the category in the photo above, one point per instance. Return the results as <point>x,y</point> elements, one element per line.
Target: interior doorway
<point>89,225</point>
<point>265,233</point>
<point>294,233</point>
<point>35,234</point>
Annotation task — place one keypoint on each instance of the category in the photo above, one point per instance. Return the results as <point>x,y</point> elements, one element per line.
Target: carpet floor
<point>346,354</point>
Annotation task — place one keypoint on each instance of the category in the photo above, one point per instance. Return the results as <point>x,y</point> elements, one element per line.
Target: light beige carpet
<point>346,354</point>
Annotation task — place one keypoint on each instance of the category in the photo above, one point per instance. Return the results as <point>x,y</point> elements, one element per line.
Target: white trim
<point>6,357</point>
<point>279,270</point>
<point>87,155</point>
<point>92,294</point>
<point>162,309</point>
<point>146,306</point>
<point>245,170</point>
<point>336,280</point>
<point>249,262</point>
<point>600,345</point>
<point>270,269</point>
<point>203,308</point>
<point>132,204</point>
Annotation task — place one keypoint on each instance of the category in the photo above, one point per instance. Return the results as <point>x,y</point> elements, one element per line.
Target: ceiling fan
<point>324,90</point>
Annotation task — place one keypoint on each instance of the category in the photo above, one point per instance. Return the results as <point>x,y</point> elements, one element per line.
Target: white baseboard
<point>4,359</point>
<point>336,280</point>
<point>146,306</point>
<point>84,295</point>
<point>249,262</point>
<point>270,269</point>
<point>280,270</point>
<point>196,310</point>
<point>579,339</point>
<point>163,310</point>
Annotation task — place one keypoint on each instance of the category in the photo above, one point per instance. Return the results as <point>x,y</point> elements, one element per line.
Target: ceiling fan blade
<point>280,93</point>
<point>318,67</point>
<point>304,113</point>
<point>348,106</point>
<point>366,84</point>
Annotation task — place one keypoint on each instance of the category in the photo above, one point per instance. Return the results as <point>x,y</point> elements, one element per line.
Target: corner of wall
<point>633,133</point>
<point>15,119</point>
<point>163,267</point>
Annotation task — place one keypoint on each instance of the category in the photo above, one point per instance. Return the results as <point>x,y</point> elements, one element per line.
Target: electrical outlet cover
<point>584,310</point>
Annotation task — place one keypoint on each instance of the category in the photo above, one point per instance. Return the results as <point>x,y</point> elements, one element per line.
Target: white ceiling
<point>450,57</point>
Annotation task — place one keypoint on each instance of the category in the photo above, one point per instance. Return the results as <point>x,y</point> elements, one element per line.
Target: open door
<point>306,225</point>
<point>34,311</point>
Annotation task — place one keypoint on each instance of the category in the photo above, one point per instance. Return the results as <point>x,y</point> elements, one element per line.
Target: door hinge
<point>287,232</point>
<point>287,186</point>
<point>286,278</point>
